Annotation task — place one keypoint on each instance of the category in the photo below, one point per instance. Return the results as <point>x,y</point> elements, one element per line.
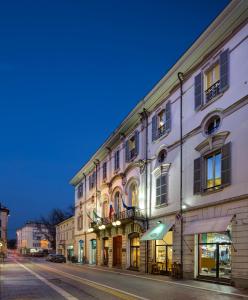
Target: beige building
<point>4,213</point>
<point>65,238</point>
<point>170,185</point>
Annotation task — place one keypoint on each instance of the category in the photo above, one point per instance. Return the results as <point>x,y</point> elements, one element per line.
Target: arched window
<point>133,194</point>
<point>117,202</point>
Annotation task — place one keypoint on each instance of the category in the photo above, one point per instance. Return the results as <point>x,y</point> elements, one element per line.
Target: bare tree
<point>49,223</point>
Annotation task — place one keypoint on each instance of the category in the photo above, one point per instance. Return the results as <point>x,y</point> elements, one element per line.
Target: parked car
<point>59,258</point>
<point>50,257</point>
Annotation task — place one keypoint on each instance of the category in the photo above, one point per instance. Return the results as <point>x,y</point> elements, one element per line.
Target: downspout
<point>96,164</point>
<point>145,116</point>
<point>180,78</point>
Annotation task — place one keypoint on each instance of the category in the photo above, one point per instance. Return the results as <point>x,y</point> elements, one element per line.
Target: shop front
<point>93,251</point>
<point>105,251</point>
<point>134,241</point>
<point>70,252</point>
<point>214,255</point>
<point>161,239</point>
<point>80,251</point>
<point>213,248</point>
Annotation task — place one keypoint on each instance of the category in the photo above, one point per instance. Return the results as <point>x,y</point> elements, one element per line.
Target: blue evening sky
<point>70,71</point>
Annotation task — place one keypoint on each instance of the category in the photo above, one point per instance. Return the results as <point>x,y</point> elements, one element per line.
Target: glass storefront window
<point>215,255</point>
<point>164,252</point>
<point>135,252</point>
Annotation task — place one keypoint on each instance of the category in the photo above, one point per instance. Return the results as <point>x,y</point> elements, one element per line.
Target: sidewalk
<point>203,285</point>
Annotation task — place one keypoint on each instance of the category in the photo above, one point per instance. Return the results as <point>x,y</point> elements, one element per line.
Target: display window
<point>215,255</point>
<point>164,253</point>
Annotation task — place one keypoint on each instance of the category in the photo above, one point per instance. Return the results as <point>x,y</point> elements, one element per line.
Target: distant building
<point>65,238</point>
<point>4,213</point>
<point>32,237</point>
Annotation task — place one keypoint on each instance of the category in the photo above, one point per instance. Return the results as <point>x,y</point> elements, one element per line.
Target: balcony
<point>125,217</point>
<point>161,131</point>
<point>213,91</point>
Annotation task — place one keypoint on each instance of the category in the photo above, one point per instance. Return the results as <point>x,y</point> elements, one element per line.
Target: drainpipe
<point>144,115</point>
<point>96,164</point>
<point>180,78</point>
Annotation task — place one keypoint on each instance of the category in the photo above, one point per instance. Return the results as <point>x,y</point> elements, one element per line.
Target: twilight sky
<point>70,71</point>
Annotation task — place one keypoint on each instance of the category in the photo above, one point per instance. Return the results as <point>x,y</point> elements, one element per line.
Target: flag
<point>96,215</point>
<point>89,217</point>
<point>111,210</point>
<point>126,206</point>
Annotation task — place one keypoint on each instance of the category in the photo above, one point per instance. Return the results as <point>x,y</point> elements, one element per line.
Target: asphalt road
<point>37,279</point>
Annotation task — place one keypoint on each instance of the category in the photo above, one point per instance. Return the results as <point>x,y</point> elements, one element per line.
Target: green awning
<point>157,233</point>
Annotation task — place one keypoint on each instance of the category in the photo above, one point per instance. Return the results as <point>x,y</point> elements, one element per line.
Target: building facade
<point>4,213</point>
<point>65,238</point>
<point>32,238</point>
<point>170,184</point>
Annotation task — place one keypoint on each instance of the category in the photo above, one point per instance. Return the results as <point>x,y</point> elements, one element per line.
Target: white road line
<point>51,285</point>
<point>172,283</point>
<point>90,281</point>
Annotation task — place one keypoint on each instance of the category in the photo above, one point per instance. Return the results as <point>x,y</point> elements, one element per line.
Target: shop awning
<point>156,233</point>
<point>209,225</point>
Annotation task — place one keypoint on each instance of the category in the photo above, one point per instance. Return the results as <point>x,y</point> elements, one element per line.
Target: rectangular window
<point>161,189</point>
<point>213,167</point>
<point>80,191</point>
<point>212,82</point>
<point>104,170</point>
<point>131,146</point>
<point>161,122</point>
<point>92,180</point>
<point>117,160</point>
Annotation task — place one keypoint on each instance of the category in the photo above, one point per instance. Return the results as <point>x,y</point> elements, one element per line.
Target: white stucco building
<point>201,197</point>
<point>4,213</point>
<point>31,238</point>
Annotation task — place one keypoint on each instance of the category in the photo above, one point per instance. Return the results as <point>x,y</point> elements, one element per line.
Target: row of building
<point>169,187</point>
<point>4,213</point>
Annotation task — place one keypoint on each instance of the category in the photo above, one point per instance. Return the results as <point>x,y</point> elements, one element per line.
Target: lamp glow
<point>118,223</point>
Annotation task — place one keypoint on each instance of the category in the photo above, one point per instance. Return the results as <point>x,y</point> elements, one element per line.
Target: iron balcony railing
<point>161,131</point>
<point>131,214</point>
<point>212,91</point>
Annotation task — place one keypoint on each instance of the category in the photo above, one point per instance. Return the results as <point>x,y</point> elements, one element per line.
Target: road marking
<point>171,282</point>
<point>51,285</point>
<point>106,288</point>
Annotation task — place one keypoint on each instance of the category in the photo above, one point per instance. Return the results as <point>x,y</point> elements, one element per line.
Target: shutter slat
<point>224,70</point>
<point>198,90</point>
<point>168,116</point>
<point>197,175</point>
<point>154,128</point>
<point>226,164</point>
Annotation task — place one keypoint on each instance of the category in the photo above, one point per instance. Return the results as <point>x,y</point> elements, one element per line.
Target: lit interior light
<point>118,223</point>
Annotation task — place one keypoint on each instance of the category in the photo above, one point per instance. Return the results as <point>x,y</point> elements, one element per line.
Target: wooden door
<point>117,251</point>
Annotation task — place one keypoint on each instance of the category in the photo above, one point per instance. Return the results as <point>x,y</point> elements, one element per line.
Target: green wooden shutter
<point>197,175</point>
<point>168,116</point>
<point>226,164</point>
<point>224,70</point>
<point>154,128</point>
<point>198,90</point>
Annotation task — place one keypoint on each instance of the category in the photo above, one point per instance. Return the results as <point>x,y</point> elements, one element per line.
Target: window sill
<point>209,192</point>
<point>161,205</point>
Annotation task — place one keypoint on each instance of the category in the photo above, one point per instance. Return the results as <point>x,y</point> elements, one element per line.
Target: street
<point>25,278</point>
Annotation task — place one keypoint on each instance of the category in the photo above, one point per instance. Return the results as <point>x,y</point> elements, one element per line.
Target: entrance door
<point>215,257</point>
<point>117,251</point>
<point>80,251</point>
<point>93,252</point>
